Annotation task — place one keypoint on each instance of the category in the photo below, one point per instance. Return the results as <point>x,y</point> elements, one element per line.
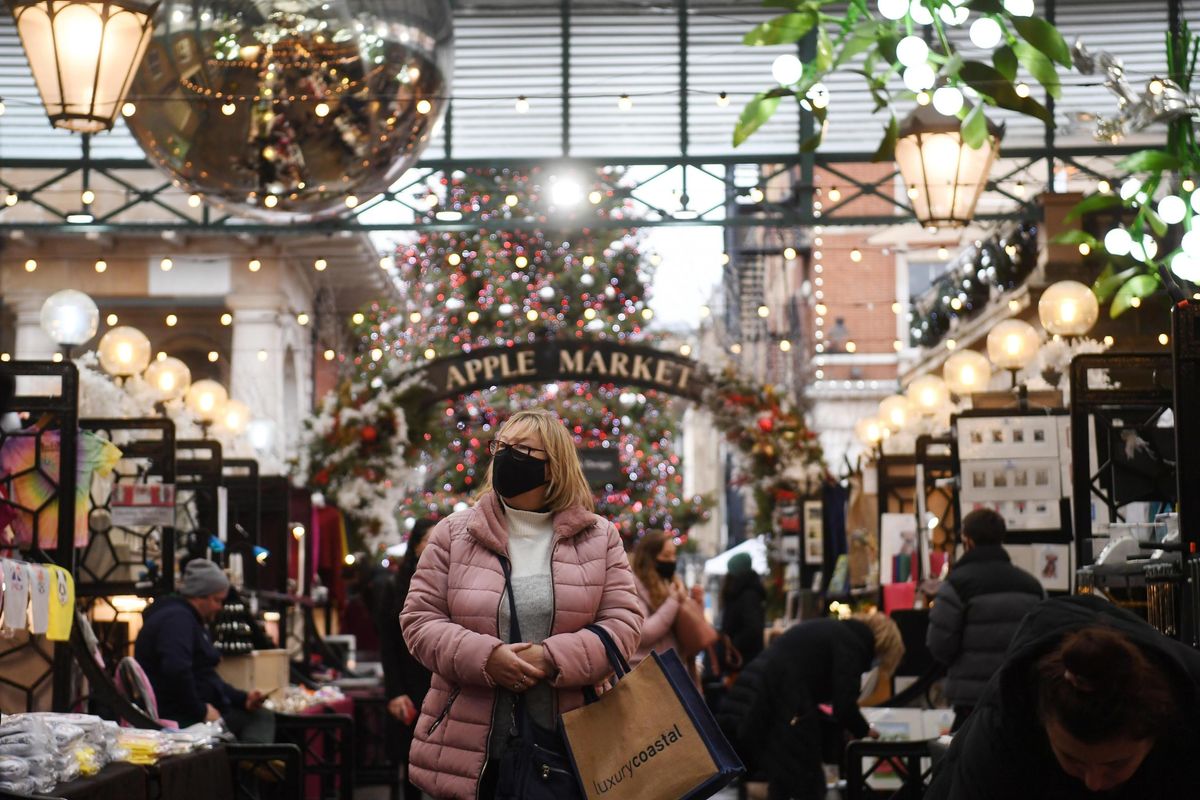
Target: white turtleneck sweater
<point>530,542</point>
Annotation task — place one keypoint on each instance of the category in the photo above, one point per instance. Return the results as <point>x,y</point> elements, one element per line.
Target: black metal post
<point>565,21</point>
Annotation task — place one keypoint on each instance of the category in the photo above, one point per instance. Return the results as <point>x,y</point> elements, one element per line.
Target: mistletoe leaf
<point>1110,280</point>
<point>1040,67</point>
<point>986,6</point>
<point>1089,205</point>
<point>974,128</point>
<point>989,82</point>
<point>786,29</point>
<point>1076,237</point>
<point>824,60</point>
<point>1045,37</point>
<point>756,112</point>
<point>813,142</point>
<point>887,148</point>
<point>1139,286</point>
<point>1149,161</point>
<point>1005,61</point>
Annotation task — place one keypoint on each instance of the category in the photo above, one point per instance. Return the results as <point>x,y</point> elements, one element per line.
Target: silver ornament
<point>1163,100</point>
<point>292,109</point>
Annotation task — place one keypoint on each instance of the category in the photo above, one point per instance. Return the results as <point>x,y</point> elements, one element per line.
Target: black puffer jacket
<point>744,615</point>
<point>1002,752</point>
<point>770,715</point>
<point>974,617</point>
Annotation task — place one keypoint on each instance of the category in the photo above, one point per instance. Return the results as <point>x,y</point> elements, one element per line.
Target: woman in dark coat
<point>771,714</point>
<point>1091,702</point>
<point>743,607</point>
<point>405,680</point>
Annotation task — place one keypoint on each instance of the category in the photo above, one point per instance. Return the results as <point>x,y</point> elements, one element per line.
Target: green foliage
<point>1045,37</point>
<point>755,114</point>
<point>1110,280</point>
<point>1139,286</point>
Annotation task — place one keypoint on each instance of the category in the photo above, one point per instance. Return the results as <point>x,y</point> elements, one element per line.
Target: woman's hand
<point>403,709</point>
<point>510,671</point>
<point>679,591</point>
<point>536,655</point>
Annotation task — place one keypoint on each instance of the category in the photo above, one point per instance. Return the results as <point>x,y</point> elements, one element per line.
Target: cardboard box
<point>259,669</point>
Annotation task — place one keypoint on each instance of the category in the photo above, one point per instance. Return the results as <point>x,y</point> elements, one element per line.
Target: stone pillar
<point>30,342</point>
<point>702,471</point>
<point>257,370</point>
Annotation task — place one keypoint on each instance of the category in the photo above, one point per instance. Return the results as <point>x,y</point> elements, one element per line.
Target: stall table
<point>117,781</point>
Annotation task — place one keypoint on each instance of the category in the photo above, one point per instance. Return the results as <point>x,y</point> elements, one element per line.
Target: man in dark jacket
<point>179,659</point>
<point>978,610</point>
<point>1005,750</point>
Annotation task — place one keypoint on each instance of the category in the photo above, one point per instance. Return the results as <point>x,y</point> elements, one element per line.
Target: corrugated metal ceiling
<point>624,47</point>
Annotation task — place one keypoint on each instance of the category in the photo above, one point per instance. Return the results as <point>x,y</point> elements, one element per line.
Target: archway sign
<point>550,360</point>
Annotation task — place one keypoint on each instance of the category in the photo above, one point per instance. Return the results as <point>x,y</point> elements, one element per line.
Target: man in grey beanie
<point>174,650</point>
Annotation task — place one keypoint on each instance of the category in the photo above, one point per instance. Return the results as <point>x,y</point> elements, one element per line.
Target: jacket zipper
<point>495,700</point>
<point>445,711</point>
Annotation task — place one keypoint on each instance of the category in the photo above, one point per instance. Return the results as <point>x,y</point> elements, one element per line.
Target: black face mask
<point>665,569</point>
<point>515,474</point>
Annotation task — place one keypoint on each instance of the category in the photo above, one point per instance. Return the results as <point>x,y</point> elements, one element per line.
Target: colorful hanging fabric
<point>33,494</point>
<point>16,593</point>
<point>62,604</point>
<point>39,598</point>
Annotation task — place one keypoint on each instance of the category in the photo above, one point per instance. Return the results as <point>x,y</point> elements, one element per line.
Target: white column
<point>256,376</point>
<point>702,474</point>
<point>30,342</point>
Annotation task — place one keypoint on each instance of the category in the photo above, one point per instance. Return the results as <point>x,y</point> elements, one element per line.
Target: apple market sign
<point>549,361</point>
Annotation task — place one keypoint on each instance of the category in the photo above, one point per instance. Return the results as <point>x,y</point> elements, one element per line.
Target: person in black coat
<point>1092,702</point>
<point>771,714</point>
<point>174,649</point>
<point>743,604</point>
<point>406,680</point>
<point>977,611</point>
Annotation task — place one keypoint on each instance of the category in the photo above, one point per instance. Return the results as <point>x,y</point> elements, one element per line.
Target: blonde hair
<point>645,554</point>
<point>889,645</point>
<point>567,487</point>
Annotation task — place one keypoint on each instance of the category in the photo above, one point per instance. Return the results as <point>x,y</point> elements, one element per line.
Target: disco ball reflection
<point>292,109</point>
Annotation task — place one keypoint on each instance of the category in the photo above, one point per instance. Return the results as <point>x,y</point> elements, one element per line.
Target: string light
<point>87,197</point>
<point>321,109</point>
<point>228,108</point>
<point>472,317</point>
<point>764,312</point>
<point>594,197</point>
<point>1163,339</point>
<point>213,356</point>
<point>329,355</point>
<point>424,106</point>
<point>227,319</point>
<point>625,103</point>
<point>430,353</point>
<point>255,265</point>
<point>522,104</point>
<point>357,318</point>
<point>1103,186</point>
<point>834,195</point>
<point>270,201</point>
<point>785,345</point>
<point>511,200</point>
<point>166,264</point>
<point>735,348</point>
<point>685,349</point>
<point>31,265</point>
<point>101,265</point>
<point>320,264</point>
<point>454,259</point>
<point>851,347</point>
<point>789,253</point>
<point>1022,89</point>
<point>856,255</point>
<point>351,201</point>
<point>111,319</point>
<point>128,109</point>
<point>302,318</point>
<point>1084,248</point>
<point>722,99</point>
<point>171,320</point>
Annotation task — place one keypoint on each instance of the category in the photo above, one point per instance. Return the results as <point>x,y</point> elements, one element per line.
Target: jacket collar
<point>984,552</point>
<point>487,523</point>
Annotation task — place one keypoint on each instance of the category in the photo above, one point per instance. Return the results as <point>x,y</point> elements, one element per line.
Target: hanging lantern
<point>69,317</point>
<point>944,175</point>
<point>83,55</point>
<point>1068,308</point>
<point>1012,344</point>
<point>967,372</point>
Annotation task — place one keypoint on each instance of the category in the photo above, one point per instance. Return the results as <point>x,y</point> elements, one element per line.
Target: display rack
<point>47,400</point>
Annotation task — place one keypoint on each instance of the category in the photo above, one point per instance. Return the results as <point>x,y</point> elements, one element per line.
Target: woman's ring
<point>519,685</point>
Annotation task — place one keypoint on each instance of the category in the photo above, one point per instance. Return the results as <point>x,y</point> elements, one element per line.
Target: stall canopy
<point>757,548</point>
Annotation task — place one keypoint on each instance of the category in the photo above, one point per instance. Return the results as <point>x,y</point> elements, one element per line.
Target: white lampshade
<point>928,394</point>
<point>967,372</point>
<point>170,378</point>
<point>894,411</point>
<point>206,399</point>
<point>83,55</point>
<point>1012,344</point>
<point>870,431</point>
<point>124,351</point>
<point>1068,308</point>
<point>70,317</point>
<point>235,417</point>
<point>943,174</point>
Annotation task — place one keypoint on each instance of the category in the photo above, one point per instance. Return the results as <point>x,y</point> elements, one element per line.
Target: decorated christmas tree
<point>550,272</point>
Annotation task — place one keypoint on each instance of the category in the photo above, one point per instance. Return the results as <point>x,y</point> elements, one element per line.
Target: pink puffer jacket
<point>451,621</point>
<point>658,631</point>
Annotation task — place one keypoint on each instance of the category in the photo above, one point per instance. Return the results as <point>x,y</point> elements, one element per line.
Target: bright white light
<point>893,9</point>
<point>919,78</point>
<point>1186,267</point>
<point>1118,241</point>
<point>912,51</point>
<point>948,100</point>
<point>1143,250</point>
<point>1172,209</point>
<point>787,69</point>
<point>566,192</point>
<point>1019,8</point>
<point>986,33</point>
<point>1130,188</point>
<point>920,13</point>
<point>1196,202</point>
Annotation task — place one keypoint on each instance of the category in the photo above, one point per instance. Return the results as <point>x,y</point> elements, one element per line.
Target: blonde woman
<point>772,715</point>
<point>660,592</point>
<point>567,569</point>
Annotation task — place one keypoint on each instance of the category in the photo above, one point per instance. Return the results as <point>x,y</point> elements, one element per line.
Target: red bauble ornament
<point>766,424</point>
<point>369,434</point>
<point>321,478</point>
